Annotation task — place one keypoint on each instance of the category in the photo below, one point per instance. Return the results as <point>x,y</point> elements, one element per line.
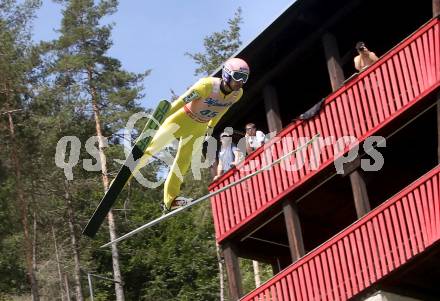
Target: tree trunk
<point>34,240</point>
<point>119,290</point>
<point>221,273</point>
<point>57,256</point>
<point>34,245</point>
<point>256,273</point>
<point>66,283</point>
<point>74,242</point>
<point>23,206</point>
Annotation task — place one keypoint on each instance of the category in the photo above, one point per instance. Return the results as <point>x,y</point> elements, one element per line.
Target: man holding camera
<point>365,57</point>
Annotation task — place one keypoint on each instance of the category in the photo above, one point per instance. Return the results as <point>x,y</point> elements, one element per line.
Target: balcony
<point>378,244</point>
<point>366,104</point>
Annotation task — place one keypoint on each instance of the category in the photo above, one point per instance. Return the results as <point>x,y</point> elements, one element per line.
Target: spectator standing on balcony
<point>365,57</point>
<point>229,155</point>
<point>254,138</point>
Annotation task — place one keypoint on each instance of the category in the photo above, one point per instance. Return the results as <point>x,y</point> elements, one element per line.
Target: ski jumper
<point>190,116</point>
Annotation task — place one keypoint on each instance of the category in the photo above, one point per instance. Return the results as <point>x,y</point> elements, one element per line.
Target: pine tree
<point>73,88</point>
<point>177,260</point>
<point>16,59</point>
<point>219,46</point>
<point>106,92</point>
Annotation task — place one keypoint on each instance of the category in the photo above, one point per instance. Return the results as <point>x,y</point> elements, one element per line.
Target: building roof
<point>288,54</point>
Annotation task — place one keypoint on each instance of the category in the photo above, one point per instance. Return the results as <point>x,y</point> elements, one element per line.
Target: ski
<point>124,173</point>
<point>211,194</point>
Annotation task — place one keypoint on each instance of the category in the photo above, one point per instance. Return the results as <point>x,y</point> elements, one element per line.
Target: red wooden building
<point>330,235</point>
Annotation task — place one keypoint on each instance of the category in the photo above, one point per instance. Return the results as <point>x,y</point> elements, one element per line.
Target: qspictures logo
<point>343,150</point>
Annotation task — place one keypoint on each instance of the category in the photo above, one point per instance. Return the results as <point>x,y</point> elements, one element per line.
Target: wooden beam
<point>294,233</point>
<point>253,255</point>
<point>233,271</point>
<point>272,109</point>
<point>349,167</point>
<point>303,46</point>
<point>254,91</point>
<point>333,58</point>
<point>438,126</point>
<point>360,194</point>
<point>276,266</point>
<point>435,8</point>
<point>280,263</point>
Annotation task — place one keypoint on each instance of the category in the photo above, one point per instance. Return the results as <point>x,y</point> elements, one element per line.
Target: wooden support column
<point>332,56</point>
<point>276,266</point>
<point>280,263</point>
<point>272,109</point>
<point>293,227</point>
<point>438,126</point>
<point>435,8</point>
<point>233,271</point>
<point>360,193</point>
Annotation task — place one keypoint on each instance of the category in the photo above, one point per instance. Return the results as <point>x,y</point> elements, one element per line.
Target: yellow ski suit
<point>190,116</point>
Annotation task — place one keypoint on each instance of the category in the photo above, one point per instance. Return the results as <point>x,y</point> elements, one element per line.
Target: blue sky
<point>156,34</point>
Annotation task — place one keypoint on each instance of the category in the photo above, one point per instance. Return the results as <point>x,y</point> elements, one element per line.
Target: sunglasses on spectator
<point>248,129</point>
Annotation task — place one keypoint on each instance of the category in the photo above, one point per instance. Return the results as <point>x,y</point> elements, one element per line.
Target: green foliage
<point>174,260</point>
<point>12,268</point>
<point>16,63</point>
<point>219,46</point>
<point>248,275</point>
<point>55,85</point>
<point>82,64</point>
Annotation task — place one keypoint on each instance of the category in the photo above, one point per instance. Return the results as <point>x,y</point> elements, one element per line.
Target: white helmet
<point>237,69</point>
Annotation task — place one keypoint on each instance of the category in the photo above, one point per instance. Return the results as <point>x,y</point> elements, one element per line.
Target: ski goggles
<point>239,76</point>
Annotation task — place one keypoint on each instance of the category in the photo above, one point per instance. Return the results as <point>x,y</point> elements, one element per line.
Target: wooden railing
<point>359,256</point>
<point>399,80</point>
